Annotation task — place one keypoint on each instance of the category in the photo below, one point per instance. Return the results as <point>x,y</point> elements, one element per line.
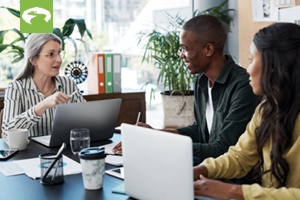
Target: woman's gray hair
<point>33,46</point>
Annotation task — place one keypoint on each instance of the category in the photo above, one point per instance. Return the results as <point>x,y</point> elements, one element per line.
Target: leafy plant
<point>64,34</point>
<point>220,12</point>
<point>162,47</point>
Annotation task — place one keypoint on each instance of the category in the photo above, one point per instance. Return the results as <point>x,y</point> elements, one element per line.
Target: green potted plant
<point>161,46</point>
<point>220,12</point>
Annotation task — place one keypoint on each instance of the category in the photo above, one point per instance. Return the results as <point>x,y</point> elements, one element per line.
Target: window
<point>113,24</point>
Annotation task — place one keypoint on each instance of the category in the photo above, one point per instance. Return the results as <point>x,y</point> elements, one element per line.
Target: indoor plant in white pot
<point>162,47</point>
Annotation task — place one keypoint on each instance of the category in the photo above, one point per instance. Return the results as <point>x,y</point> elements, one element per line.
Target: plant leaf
<point>22,36</point>
<point>81,26</point>
<point>68,27</point>
<point>74,44</point>
<point>58,33</point>
<point>3,47</point>
<point>15,13</point>
<point>2,34</point>
<point>17,58</point>
<point>89,34</point>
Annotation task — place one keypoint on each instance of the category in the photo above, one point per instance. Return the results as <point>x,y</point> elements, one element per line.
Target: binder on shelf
<point>96,74</point>
<point>117,73</point>
<point>108,69</point>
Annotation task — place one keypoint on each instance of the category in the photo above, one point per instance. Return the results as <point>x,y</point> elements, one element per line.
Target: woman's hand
<point>200,170</point>
<point>57,98</point>
<point>217,189</point>
<point>50,102</point>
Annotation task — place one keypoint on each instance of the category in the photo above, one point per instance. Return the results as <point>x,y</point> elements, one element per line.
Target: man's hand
<point>118,148</point>
<point>144,125</point>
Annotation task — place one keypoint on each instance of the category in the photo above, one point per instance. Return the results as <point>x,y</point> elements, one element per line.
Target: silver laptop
<point>99,117</point>
<point>157,165</point>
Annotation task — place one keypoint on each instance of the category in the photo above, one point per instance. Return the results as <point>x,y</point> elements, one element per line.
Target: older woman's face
<point>254,69</point>
<point>49,60</point>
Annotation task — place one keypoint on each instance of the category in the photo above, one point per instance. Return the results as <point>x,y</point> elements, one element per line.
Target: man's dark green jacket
<point>233,102</point>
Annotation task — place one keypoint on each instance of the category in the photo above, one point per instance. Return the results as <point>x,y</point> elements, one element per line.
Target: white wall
<point>232,42</point>
<point>233,36</point>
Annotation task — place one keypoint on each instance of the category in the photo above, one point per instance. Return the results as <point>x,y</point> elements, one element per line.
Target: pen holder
<point>56,174</point>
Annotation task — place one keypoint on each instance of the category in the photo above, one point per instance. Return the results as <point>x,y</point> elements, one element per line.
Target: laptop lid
<point>99,117</point>
<point>157,164</point>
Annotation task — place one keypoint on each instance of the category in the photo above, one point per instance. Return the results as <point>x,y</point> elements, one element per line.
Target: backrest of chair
<point>1,118</point>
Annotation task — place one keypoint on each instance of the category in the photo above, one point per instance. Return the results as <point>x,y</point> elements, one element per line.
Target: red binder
<point>96,74</point>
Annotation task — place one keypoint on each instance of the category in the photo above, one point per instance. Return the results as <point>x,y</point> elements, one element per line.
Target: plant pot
<point>178,110</point>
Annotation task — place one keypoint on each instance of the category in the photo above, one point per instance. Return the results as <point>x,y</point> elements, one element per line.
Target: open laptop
<point>157,165</point>
<point>99,117</point>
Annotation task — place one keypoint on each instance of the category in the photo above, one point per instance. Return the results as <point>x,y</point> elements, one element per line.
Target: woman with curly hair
<point>271,143</point>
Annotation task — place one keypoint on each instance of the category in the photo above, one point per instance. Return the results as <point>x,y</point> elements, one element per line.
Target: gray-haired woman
<point>30,99</point>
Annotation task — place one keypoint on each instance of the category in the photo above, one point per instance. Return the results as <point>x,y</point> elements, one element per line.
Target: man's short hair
<point>209,29</point>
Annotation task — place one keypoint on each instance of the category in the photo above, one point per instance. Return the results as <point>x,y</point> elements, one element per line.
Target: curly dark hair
<point>279,45</point>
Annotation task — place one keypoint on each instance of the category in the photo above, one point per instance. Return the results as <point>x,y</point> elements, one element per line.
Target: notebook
<point>157,165</point>
<point>99,117</point>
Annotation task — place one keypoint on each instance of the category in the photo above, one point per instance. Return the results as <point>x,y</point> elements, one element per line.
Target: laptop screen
<point>99,117</point>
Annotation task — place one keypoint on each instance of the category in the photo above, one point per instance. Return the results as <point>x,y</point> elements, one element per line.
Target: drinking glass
<point>79,139</point>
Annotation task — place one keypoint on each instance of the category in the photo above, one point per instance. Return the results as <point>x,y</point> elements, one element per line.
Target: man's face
<point>193,52</point>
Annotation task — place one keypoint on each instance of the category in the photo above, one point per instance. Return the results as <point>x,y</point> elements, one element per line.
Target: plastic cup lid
<point>92,153</point>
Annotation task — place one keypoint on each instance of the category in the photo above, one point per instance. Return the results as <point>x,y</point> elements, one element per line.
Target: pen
<point>138,118</point>
<point>56,166</point>
<point>114,154</point>
<point>101,148</point>
<point>72,93</point>
<point>59,153</point>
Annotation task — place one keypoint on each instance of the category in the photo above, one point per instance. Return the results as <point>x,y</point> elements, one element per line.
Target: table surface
<point>22,187</point>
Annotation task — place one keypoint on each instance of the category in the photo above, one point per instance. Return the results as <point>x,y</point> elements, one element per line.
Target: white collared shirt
<point>209,113</point>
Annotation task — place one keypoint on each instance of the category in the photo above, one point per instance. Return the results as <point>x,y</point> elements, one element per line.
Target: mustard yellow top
<point>243,156</point>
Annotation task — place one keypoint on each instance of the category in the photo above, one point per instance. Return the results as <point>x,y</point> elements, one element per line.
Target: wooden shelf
<point>132,104</point>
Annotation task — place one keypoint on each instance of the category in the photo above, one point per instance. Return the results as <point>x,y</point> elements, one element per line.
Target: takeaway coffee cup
<point>93,164</point>
<point>17,138</point>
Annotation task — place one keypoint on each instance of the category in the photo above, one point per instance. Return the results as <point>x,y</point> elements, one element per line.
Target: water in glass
<point>79,139</point>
